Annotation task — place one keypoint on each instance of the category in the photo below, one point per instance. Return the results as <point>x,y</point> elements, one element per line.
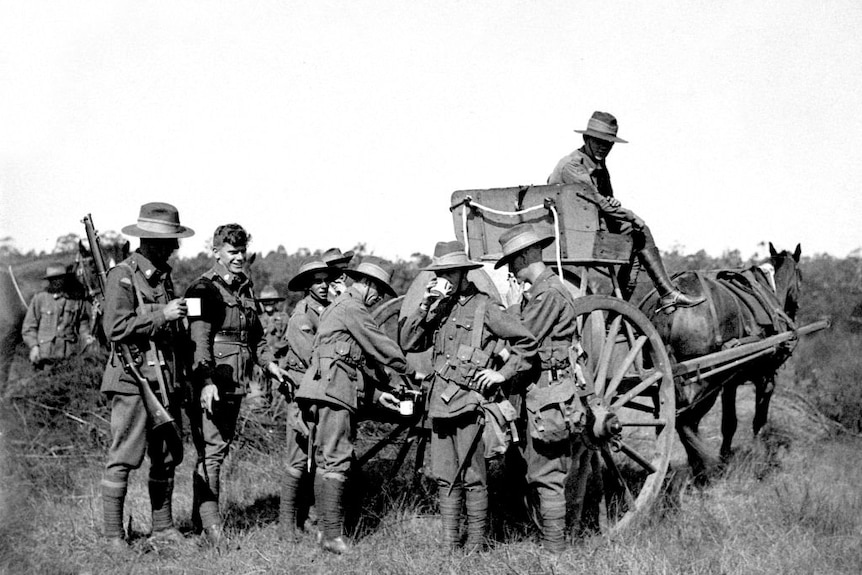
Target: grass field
<point>790,503</point>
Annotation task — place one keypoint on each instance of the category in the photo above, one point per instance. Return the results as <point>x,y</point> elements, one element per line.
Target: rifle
<point>162,421</point>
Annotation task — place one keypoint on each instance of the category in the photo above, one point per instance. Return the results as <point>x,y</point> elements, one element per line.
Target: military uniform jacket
<point>227,339</point>
<point>349,354</point>
<point>579,168</point>
<point>301,329</point>
<point>547,310</point>
<point>449,331</point>
<point>135,295</point>
<point>52,322</point>
<point>274,327</point>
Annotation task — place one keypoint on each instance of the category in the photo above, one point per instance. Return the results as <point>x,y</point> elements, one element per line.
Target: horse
<point>742,306</point>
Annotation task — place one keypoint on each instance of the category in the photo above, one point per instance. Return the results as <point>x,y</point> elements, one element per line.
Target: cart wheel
<point>386,316</point>
<point>630,427</point>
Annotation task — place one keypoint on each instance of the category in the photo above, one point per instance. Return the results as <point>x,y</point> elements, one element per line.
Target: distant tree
<point>66,244</point>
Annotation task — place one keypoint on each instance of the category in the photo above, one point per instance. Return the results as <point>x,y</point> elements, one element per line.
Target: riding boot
<point>477,517</point>
<point>450,512</point>
<point>553,510</point>
<point>287,508</point>
<point>670,296</point>
<point>330,500</point>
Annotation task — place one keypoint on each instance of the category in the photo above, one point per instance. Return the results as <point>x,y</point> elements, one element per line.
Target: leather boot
<point>553,510</point>
<point>330,501</point>
<point>450,513</point>
<point>287,528</point>
<point>670,296</point>
<point>477,517</point>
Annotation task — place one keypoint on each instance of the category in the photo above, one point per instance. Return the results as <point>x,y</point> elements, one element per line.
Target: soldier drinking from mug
<point>463,326</point>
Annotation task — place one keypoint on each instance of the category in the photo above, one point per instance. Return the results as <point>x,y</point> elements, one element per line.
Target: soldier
<point>55,319</point>
<point>313,278</point>
<point>227,339</point>
<point>274,323</point>
<point>546,309</point>
<point>273,320</point>
<point>334,258</point>
<point>586,165</point>
<point>347,368</point>
<point>142,312</point>
<point>464,327</point>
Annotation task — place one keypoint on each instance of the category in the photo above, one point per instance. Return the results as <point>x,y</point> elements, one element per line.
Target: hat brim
<point>602,136</point>
<point>135,231</point>
<point>542,242</point>
<point>466,265</point>
<point>354,274</point>
<point>299,282</point>
<point>62,275</point>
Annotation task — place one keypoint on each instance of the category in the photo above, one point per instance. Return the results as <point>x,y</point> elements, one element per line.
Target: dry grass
<point>789,503</point>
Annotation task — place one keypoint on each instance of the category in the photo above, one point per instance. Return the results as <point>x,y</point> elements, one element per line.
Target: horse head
<point>788,278</point>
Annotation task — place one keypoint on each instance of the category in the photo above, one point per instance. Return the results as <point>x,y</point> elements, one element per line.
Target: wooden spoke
<point>614,472</point>
<point>652,423</point>
<point>607,353</point>
<point>635,406</point>
<point>638,389</point>
<point>624,366</point>
<point>636,457</point>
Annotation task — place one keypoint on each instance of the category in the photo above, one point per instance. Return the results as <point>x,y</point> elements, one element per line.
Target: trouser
<point>547,466</point>
<point>453,441</point>
<point>131,439</point>
<point>212,434</point>
<point>334,435</point>
<point>296,495</point>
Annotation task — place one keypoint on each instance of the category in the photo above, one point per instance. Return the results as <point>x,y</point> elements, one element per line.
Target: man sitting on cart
<point>586,165</point>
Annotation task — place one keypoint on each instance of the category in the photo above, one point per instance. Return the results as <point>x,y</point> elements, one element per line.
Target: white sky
<point>318,124</point>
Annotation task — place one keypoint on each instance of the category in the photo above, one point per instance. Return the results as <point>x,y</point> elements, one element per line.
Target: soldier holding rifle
<point>142,317</point>
<point>463,326</point>
<point>228,339</point>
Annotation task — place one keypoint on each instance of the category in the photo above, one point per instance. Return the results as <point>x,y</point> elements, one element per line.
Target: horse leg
<point>728,419</point>
<point>687,424</point>
<point>763,389</point>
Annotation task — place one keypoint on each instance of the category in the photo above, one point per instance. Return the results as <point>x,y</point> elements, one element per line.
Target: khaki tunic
<point>53,322</point>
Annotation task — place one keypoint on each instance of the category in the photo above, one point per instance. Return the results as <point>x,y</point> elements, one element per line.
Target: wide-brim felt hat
<point>333,257</point>
<point>158,220</point>
<point>307,270</point>
<point>604,127</point>
<point>376,269</point>
<point>58,271</point>
<point>518,238</point>
<point>269,293</point>
<point>450,256</point>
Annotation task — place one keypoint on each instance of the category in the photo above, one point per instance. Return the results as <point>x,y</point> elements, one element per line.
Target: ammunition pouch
<point>500,428</point>
<point>554,412</point>
<point>233,363</point>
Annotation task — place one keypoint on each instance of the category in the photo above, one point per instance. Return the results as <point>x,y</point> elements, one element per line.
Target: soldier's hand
<point>209,394</point>
<point>614,203</point>
<point>35,354</point>
<point>276,372</point>
<point>175,309</point>
<point>515,293</point>
<point>389,401</point>
<point>489,380</point>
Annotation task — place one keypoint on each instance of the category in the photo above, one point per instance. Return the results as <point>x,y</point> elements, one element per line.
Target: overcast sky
<point>318,124</point>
